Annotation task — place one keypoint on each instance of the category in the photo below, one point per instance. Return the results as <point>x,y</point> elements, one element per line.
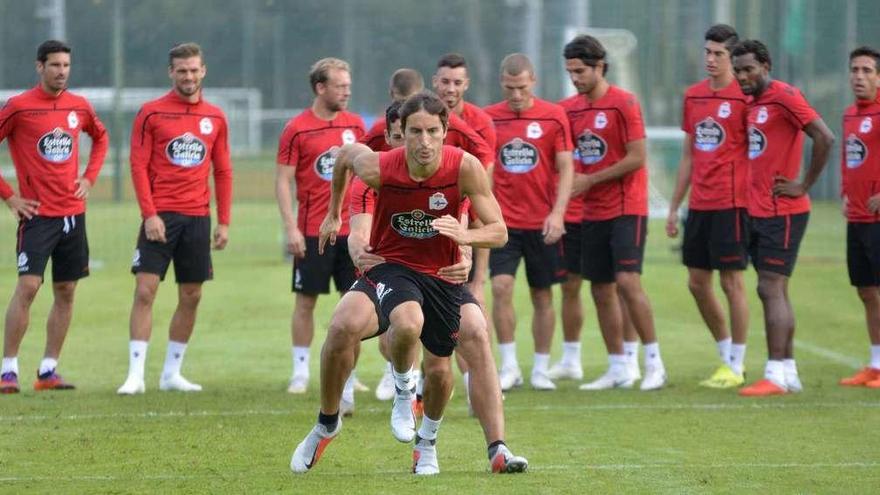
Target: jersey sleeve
<point>288,153</point>
<point>799,113</point>
<point>6,115</point>
<point>222,167</point>
<point>634,125</point>
<point>468,140</point>
<point>141,147</point>
<point>374,138</point>
<point>100,142</point>
<point>362,199</point>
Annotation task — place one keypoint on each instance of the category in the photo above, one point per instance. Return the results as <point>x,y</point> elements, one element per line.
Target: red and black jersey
<point>375,137</point>
<point>402,231</point>
<point>172,143</point>
<point>601,130</point>
<point>480,122</point>
<point>775,125</point>
<point>43,133</point>
<point>715,120</point>
<point>362,199</point>
<point>860,159</point>
<point>310,144</point>
<point>525,178</point>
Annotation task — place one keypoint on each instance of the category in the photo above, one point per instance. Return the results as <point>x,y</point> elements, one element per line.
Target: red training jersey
<point>481,123</point>
<point>715,120</point>
<point>172,141</point>
<point>375,137</point>
<point>43,132</point>
<point>402,231</point>
<point>362,199</point>
<point>310,144</point>
<point>601,130</point>
<point>775,123</point>
<point>860,159</point>
<point>525,178</point>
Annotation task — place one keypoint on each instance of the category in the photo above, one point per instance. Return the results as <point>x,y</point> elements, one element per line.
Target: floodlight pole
<point>118,54</point>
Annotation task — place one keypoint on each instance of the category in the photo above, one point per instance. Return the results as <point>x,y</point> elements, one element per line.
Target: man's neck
<point>458,109</point>
<point>322,112</point>
<point>598,90</point>
<point>762,88</point>
<point>50,91</point>
<point>193,98</point>
<point>418,172</point>
<point>720,81</point>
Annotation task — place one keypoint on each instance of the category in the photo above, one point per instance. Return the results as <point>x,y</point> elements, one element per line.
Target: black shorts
<point>187,242</point>
<point>311,275</point>
<point>571,248</point>
<point>393,284</point>
<point>543,263</point>
<point>774,242</point>
<point>61,238</point>
<point>612,246</point>
<point>863,254</point>
<point>716,239</point>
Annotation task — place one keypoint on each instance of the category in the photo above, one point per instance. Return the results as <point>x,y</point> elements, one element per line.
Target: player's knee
<point>144,294</point>
<point>699,286</point>
<point>64,292</point>
<point>768,289</point>
<point>502,286</point>
<point>603,293</point>
<point>190,296</point>
<point>407,319</point>
<point>629,285</point>
<point>731,283</point>
<point>27,289</point>
<point>438,370</point>
<point>868,294</point>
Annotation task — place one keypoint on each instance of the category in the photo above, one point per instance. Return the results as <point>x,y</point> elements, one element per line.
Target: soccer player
<point>610,151</point>
<point>43,126</point>
<point>417,231</point>
<point>860,170</point>
<point>306,153</point>
<point>778,203</point>
<point>177,141</point>
<point>533,184</point>
<point>713,164</point>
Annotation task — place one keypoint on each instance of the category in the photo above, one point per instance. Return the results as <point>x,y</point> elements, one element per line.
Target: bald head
<point>517,63</point>
<point>405,83</point>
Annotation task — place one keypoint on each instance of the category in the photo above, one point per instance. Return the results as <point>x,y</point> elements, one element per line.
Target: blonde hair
<point>320,71</point>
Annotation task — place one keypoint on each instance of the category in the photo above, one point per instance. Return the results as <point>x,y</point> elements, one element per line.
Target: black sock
<point>329,420</point>
<point>493,447</point>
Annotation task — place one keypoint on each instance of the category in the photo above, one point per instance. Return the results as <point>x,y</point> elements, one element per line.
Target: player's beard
<point>189,91</point>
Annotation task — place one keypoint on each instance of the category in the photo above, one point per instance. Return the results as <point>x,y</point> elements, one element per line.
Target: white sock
<point>48,365</point>
<point>790,367</point>
<point>10,365</point>
<point>420,382</point>
<point>428,430</point>
<point>542,363</point>
<point>875,357</point>
<point>508,355</point>
<point>348,389</point>
<point>137,358</point>
<point>300,361</point>
<point>724,349</point>
<point>173,358</point>
<point>571,353</point>
<point>631,351</point>
<point>617,363</point>
<point>737,358</point>
<point>404,381</point>
<point>466,378</point>
<point>775,372</point>
<point>652,356</point>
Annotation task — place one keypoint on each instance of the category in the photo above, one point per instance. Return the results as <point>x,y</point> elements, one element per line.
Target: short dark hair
<point>185,50</point>
<point>392,113</point>
<point>588,50</point>
<point>51,46</point>
<point>756,48</point>
<point>866,51</point>
<point>424,101</point>
<point>723,33</point>
<point>452,60</point>
<point>406,82</point>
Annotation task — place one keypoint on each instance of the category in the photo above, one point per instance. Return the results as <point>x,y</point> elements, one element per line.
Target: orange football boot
<point>863,376</point>
<point>762,388</point>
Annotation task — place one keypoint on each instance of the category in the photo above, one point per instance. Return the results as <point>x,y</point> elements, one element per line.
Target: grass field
<point>237,435</point>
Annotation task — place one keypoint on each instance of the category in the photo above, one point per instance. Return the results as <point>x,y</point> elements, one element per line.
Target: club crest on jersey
<point>205,126</point>
<point>757,142</point>
<point>518,156</point>
<point>762,115</point>
<point>708,135</point>
<point>437,201</point>
<point>534,131</point>
<point>856,151</point>
<point>348,137</point>
<point>186,151</point>
<point>324,163</point>
<point>415,224</point>
<point>56,146</point>
<point>591,148</point>
<point>23,262</point>
<point>72,120</point>
<point>600,121</point>
<point>865,126</point>
<point>724,110</point>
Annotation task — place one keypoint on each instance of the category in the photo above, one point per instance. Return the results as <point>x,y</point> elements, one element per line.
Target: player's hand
<point>450,227</point>
<point>672,224</point>
<point>873,204</point>
<point>221,236</point>
<point>554,227</point>
<point>457,273</point>
<point>783,186</point>
<point>83,186</point>
<point>581,184</point>
<point>366,259</point>
<point>296,243</point>
<point>22,208</point>
<point>154,229</point>
<point>329,228</point>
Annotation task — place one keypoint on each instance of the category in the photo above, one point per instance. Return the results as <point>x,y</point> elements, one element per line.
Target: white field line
<point>836,357</point>
<point>744,405</point>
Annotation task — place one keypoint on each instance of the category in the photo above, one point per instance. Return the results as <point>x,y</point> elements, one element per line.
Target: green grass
<point>238,435</point>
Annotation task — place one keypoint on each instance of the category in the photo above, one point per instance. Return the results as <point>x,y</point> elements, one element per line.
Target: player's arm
<point>359,247</point>
<point>632,161</point>
<point>222,168</point>
<point>823,139</point>
<point>296,241</point>
<point>140,151</point>
<point>20,207</point>
<point>682,182</point>
<point>459,272</point>
<point>554,224</point>
<point>473,183</point>
<point>352,158</point>
<point>100,142</point>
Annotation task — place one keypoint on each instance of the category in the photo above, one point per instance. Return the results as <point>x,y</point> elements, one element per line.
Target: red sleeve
<point>470,141</point>
<point>632,112</point>
<point>222,174</point>
<point>139,157</point>
<point>362,199</point>
<point>375,137</point>
<point>288,154</point>
<point>100,141</point>
<point>488,133</point>
<point>563,138</point>
<point>6,190</point>
<point>799,113</point>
